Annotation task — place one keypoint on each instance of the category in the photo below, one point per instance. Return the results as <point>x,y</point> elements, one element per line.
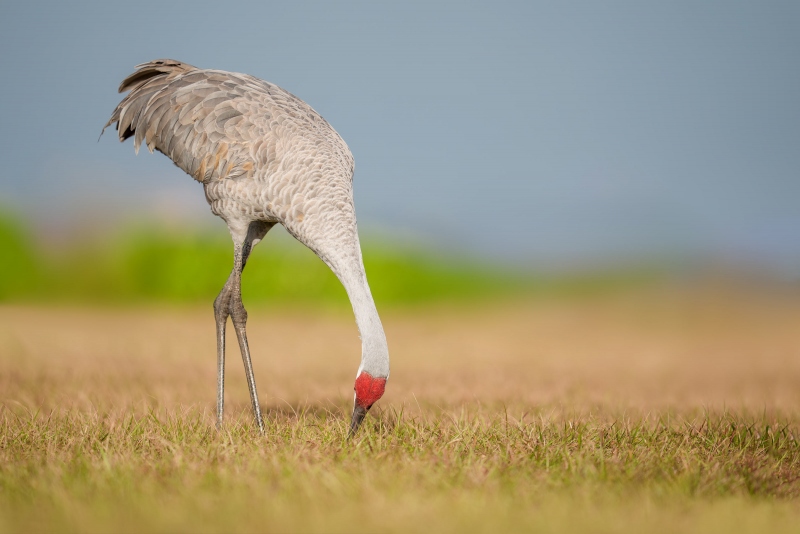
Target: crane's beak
<point>358,415</point>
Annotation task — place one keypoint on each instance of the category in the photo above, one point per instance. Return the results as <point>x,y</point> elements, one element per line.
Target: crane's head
<point>368,390</point>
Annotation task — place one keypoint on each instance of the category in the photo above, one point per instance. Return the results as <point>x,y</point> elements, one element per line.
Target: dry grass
<point>650,412</point>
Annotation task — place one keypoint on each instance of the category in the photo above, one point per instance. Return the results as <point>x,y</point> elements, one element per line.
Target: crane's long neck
<point>374,349</point>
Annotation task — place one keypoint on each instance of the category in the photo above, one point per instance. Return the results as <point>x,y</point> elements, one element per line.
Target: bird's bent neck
<point>374,349</point>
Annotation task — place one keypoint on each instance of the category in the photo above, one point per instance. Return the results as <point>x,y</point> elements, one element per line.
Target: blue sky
<point>552,133</point>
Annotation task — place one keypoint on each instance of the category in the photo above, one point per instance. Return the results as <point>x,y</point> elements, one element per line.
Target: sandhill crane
<point>264,157</point>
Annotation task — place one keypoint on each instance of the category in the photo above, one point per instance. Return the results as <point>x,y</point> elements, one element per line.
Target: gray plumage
<point>264,157</point>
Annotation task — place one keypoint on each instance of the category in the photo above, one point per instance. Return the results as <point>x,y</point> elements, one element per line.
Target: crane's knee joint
<point>238,314</point>
<point>221,310</point>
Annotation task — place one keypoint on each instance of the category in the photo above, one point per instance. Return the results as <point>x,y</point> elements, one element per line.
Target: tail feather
<point>151,69</point>
<point>143,84</point>
<point>191,116</point>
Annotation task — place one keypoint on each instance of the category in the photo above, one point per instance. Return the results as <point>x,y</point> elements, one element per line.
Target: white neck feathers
<point>374,349</point>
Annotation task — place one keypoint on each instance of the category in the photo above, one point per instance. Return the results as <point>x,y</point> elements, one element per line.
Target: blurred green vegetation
<point>156,264</point>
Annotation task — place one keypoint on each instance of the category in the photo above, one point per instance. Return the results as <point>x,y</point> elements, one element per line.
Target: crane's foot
<point>260,423</point>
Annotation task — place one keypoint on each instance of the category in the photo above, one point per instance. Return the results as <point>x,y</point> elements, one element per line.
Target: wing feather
<point>212,124</point>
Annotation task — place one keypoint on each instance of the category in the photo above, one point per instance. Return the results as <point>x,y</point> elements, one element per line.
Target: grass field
<point>644,411</point>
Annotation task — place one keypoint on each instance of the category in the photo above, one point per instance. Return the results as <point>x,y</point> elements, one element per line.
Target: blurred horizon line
<point>62,232</point>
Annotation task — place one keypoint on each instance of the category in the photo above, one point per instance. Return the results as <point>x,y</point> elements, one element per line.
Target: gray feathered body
<point>261,153</point>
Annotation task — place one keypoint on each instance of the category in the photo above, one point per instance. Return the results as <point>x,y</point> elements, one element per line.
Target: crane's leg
<point>239,319</point>
<point>221,312</point>
<point>229,303</point>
